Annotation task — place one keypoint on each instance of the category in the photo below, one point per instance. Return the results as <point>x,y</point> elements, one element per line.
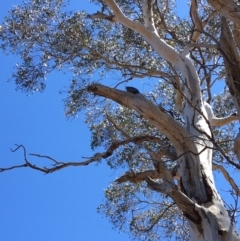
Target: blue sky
<point>60,206</point>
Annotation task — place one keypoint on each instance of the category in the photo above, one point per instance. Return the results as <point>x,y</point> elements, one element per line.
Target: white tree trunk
<point>198,197</point>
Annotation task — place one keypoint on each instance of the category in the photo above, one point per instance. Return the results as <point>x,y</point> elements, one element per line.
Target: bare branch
<point>56,166</point>
<point>224,120</point>
<point>60,165</point>
<point>183,202</point>
<point>227,177</point>
<point>46,157</point>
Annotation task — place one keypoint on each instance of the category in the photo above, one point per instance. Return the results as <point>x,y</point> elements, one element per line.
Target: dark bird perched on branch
<point>132,90</point>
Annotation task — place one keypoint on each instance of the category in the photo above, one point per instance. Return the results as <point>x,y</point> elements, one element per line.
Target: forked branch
<point>58,165</point>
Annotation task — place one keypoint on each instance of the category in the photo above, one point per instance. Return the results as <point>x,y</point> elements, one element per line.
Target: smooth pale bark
<point>208,219</point>
<point>219,121</point>
<point>181,61</point>
<point>155,115</point>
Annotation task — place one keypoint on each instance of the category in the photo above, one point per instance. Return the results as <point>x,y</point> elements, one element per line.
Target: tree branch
<point>156,220</point>
<point>99,15</point>
<point>227,177</point>
<point>117,127</point>
<point>183,202</point>
<point>197,22</point>
<point>164,122</point>
<point>147,14</point>
<point>231,60</point>
<point>160,46</point>
<point>133,177</point>
<point>227,8</point>
<point>160,166</point>
<point>60,165</point>
<point>56,166</point>
<point>181,61</point>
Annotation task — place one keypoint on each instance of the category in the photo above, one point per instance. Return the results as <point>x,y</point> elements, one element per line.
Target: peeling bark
<point>198,197</point>
<point>232,62</point>
<point>227,8</point>
<point>191,144</point>
<point>236,34</point>
<point>183,202</point>
<point>198,188</point>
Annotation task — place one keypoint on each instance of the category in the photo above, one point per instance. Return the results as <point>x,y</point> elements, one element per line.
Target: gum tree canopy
<point>170,132</point>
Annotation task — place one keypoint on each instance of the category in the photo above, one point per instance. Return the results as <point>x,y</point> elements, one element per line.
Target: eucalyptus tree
<point>167,136</point>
